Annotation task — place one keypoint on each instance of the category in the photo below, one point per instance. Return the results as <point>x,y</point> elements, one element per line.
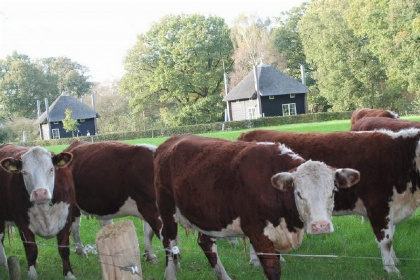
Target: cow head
<point>314,184</point>
<point>37,167</point>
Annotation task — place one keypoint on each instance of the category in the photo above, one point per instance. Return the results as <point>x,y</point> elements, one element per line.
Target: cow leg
<point>387,251</point>
<point>63,243</point>
<point>31,251</point>
<point>148,246</point>
<point>75,231</point>
<point>3,258</point>
<point>209,247</point>
<point>384,231</point>
<point>268,257</point>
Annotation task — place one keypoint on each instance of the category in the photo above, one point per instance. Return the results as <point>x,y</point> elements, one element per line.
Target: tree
<point>389,29</point>
<point>70,76</point>
<point>288,43</point>
<point>253,43</point>
<point>177,65</point>
<point>69,124</point>
<point>22,83</point>
<point>348,74</point>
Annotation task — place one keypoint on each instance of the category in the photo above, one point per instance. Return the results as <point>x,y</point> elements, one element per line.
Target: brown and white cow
<point>389,163</point>
<point>36,196</point>
<point>376,123</point>
<point>226,188</point>
<point>113,180</point>
<point>366,112</point>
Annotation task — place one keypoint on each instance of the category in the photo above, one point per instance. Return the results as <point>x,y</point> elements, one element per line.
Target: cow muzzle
<point>321,227</point>
<point>41,196</point>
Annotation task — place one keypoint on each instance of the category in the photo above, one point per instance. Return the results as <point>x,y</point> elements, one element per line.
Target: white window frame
<point>271,97</point>
<point>55,132</point>
<point>292,95</point>
<point>251,113</point>
<point>289,109</point>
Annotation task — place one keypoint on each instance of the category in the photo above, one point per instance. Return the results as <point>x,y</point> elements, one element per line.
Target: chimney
<point>47,109</point>
<point>303,74</point>
<point>38,108</point>
<point>257,89</point>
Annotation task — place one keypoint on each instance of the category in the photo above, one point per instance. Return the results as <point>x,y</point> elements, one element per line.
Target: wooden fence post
<point>119,252</point>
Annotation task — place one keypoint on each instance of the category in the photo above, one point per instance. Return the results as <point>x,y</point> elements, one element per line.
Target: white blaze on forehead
<point>38,170</point>
<point>314,186</point>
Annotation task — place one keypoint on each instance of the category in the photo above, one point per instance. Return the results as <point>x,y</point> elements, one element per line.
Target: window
<point>289,109</point>
<point>55,133</point>
<point>292,95</point>
<point>271,97</point>
<point>251,114</point>
<point>81,120</point>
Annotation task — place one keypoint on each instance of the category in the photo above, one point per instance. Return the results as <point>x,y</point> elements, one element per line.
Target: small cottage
<point>51,121</point>
<point>266,92</point>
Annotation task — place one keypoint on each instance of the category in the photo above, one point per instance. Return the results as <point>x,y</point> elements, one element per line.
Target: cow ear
<point>346,177</point>
<point>11,165</point>
<point>62,159</point>
<point>283,181</point>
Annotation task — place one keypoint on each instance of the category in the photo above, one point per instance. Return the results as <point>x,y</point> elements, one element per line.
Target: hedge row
<point>199,128</point>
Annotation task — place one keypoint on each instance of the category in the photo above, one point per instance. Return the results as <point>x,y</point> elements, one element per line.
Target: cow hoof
<point>255,262</point>
<point>152,259</point>
<point>81,252</point>
<point>70,276</point>
<point>32,273</point>
<point>392,269</point>
<point>234,242</point>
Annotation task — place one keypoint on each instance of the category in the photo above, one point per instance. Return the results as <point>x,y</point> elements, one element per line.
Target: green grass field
<point>349,253</point>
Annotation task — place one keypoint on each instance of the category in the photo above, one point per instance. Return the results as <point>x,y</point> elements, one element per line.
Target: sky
<point>98,33</point>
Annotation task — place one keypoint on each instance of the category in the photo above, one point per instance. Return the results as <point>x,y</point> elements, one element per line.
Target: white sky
<point>98,33</point>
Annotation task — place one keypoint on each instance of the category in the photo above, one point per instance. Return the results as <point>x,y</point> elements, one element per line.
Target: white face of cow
<point>37,167</point>
<point>314,184</point>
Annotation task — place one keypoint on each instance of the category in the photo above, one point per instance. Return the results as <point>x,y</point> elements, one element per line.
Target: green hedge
<point>199,128</point>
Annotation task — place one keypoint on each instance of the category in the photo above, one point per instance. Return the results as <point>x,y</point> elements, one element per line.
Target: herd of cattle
<point>268,186</point>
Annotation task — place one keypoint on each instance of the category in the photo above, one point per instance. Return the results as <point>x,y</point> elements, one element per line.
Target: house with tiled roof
<point>51,121</point>
<point>266,92</point>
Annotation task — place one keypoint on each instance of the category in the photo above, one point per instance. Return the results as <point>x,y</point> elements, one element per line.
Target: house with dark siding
<point>266,92</point>
<point>51,121</point>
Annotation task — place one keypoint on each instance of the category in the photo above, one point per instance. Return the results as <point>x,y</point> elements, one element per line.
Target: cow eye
<point>298,194</point>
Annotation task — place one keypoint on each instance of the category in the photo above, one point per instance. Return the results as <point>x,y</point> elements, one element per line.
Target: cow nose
<point>321,227</point>
<point>41,195</point>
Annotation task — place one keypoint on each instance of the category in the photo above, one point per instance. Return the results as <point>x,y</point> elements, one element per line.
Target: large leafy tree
<point>349,75</point>
<point>253,42</point>
<point>22,83</point>
<point>177,67</point>
<point>70,76</point>
<point>389,29</point>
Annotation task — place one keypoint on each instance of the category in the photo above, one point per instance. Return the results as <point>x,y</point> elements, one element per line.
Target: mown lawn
<point>348,253</point>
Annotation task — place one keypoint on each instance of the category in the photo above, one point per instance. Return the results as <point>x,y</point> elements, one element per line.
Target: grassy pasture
<point>348,253</point>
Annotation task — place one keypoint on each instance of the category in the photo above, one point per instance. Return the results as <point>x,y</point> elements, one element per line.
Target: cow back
<point>366,112</point>
<point>375,123</point>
